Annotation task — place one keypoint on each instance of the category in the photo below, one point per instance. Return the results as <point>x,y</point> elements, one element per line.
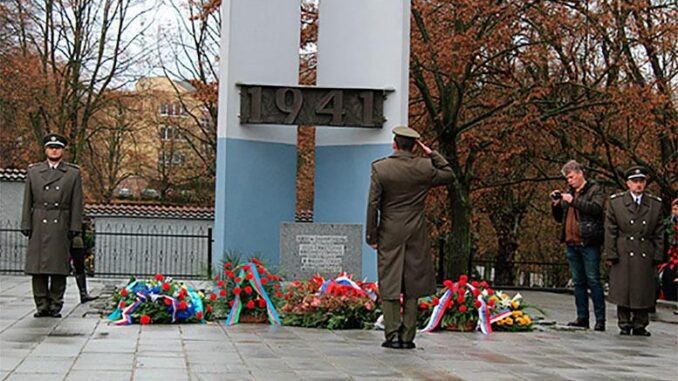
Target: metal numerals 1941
<point>312,106</point>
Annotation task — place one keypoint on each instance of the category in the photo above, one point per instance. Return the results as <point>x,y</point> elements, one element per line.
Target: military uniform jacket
<point>396,222</point>
<point>634,242</point>
<point>53,206</point>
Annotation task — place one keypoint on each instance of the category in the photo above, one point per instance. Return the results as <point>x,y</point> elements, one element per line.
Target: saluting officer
<point>633,245</point>
<point>51,217</point>
<point>396,228</point>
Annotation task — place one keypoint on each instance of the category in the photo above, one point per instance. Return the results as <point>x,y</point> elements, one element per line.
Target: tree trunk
<point>459,247</point>
<point>504,274</point>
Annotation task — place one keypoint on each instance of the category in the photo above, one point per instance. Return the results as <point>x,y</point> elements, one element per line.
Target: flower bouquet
<point>339,303</point>
<point>515,321</point>
<point>247,293</point>
<point>456,307</point>
<point>159,301</point>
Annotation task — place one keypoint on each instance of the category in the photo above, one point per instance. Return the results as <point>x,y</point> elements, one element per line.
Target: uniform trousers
<point>635,318</point>
<point>403,326</point>
<point>48,292</point>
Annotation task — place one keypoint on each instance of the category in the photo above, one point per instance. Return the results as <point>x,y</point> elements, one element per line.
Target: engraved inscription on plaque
<point>322,253</point>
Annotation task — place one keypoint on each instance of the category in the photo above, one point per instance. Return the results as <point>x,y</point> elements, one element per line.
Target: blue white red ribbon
<point>438,312</point>
<point>234,315</point>
<point>344,280</point>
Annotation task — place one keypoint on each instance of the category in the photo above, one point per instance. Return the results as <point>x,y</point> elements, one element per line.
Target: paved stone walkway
<point>88,348</point>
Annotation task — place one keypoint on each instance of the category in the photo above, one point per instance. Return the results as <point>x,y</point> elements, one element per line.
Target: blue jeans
<point>585,268</point>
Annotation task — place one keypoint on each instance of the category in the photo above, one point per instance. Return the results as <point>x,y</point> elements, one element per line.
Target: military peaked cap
<point>636,172</point>
<point>54,140</point>
<point>406,132</point>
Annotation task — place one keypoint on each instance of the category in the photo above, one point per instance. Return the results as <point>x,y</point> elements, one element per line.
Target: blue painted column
<point>362,44</point>
<point>256,164</point>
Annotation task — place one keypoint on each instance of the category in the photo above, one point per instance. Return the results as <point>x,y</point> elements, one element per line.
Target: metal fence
<point>527,274</point>
<point>121,251</point>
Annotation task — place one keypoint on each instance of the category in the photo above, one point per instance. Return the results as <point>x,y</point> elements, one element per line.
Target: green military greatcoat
<point>634,242</point>
<point>53,206</point>
<point>396,222</point>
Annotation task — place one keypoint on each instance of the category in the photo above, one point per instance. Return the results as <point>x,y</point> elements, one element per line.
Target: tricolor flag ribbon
<point>234,314</point>
<point>344,280</point>
<point>438,312</point>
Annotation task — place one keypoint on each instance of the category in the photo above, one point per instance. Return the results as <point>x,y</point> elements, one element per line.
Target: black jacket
<point>589,207</point>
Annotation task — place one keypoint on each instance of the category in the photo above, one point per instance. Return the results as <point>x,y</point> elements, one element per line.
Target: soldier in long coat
<point>396,227</point>
<point>51,216</point>
<point>634,245</point>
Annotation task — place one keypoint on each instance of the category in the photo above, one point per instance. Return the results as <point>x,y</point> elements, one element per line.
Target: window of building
<point>174,158</point>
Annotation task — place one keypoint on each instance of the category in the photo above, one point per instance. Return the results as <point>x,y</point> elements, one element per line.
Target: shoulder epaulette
<point>654,197</point>
<point>32,165</point>
<point>617,195</point>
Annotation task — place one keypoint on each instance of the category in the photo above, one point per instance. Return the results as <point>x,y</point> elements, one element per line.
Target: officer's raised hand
<point>424,147</point>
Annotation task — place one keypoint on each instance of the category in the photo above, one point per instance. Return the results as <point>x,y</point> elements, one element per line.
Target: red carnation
<point>276,286</point>
<point>490,291</point>
<point>123,292</point>
<point>462,309</point>
<point>436,301</point>
<point>199,315</point>
<point>222,293</point>
<point>278,294</point>
<point>220,283</point>
<point>296,283</point>
<point>230,274</point>
<point>145,319</point>
<point>249,276</point>
<point>237,280</point>
<point>462,280</point>
<point>475,292</point>
<point>423,306</point>
<point>250,304</point>
<point>182,305</point>
<point>230,303</point>
<point>122,304</point>
<point>260,270</point>
<point>246,267</point>
<point>264,281</point>
<point>287,296</point>
<point>227,265</point>
<point>168,302</point>
<point>490,302</point>
<point>216,278</point>
<point>248,290</point>
<point>159,277</point>
<point>447,283</point>
<point>474,283</point>
<point>166,286</point>
<point>461,299</point>
<point>262,303</point>
<point>484,284</point>
<point>236,291</point>
<point>478,304</point>
<point>208,308</point>
<point>213,296</point>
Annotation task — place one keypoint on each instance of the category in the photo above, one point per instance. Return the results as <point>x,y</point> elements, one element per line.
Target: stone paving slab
<point>82,346</point>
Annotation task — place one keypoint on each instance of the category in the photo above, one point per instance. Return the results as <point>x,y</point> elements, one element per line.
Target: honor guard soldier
<point>51,217</point>
<point>396,228</point>
<point>634,245</point>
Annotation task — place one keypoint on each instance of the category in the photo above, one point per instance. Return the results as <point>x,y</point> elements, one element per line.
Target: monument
<point>361,94</point>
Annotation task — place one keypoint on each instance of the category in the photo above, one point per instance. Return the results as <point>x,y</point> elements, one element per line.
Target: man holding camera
<point>580,211</point>
<point>634,244</point>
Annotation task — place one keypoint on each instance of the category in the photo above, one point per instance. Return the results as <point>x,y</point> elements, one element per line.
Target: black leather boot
<point>81,280</point>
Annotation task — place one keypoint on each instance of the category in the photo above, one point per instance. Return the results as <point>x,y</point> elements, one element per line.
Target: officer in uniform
<point>634,245</point>
<point>396,228</point>
<point>51,217</point>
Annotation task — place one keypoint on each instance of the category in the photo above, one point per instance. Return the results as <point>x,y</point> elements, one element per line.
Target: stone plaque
<point>324,249</point>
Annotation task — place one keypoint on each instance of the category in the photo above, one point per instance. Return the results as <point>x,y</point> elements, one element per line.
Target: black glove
<point>27,233</point>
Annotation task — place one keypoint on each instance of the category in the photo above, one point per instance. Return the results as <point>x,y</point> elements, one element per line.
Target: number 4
<point>336,97</point>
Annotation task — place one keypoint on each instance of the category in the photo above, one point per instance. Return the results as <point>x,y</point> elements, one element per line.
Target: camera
<point>556,195</point>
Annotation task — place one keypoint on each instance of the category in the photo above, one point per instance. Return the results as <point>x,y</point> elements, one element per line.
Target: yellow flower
<point>494,297</point>
<point>509,321</point>
<point>201,294</point>
<point>515,305</point>
<point>504,296</point>
<point>517,313</point>
<point>528,320</point>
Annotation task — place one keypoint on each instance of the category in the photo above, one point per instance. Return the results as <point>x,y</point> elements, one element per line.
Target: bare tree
<point>85,47</point>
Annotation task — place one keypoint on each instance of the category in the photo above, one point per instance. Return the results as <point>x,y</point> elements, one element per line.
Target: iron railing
<point>118,252</point>
<point>526,274</point>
